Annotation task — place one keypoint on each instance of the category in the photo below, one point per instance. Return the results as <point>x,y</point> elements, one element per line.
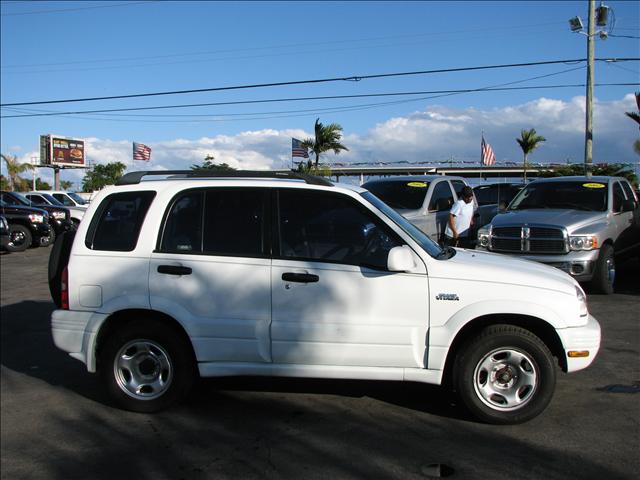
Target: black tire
<point>49,239</point>
<point>58,260</point>
<point>505,361</point>
<point>159,370</point>
<point>604,274</point>
<point>20,238</point>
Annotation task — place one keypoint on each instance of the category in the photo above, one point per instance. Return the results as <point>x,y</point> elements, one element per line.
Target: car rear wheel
<point>20,238</point>
<point>147,366</point>
<point>505,375</point>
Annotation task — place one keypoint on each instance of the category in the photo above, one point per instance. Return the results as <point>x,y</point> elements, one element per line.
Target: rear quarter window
<point>117,222</point>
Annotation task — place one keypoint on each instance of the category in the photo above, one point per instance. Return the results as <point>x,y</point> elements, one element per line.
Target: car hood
<point>496,268</point>
<point>570,219</point>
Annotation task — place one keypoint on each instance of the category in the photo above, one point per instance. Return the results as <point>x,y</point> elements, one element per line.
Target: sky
<point>56,50</point>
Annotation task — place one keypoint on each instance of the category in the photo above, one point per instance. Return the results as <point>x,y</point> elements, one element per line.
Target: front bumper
<point>76,332</point>
<point>60,226</point>
<point>581,339</point>
<point>39,230</point>
<point>579,264</point>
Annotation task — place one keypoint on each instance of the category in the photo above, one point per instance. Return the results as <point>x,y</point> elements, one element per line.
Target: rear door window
<point>118,220</point>
<point>618,197</point>
<point>218,221</point>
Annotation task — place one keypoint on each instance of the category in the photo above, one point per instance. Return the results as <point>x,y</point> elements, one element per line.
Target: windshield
<point>14,198</point>
<point>404,195</point>
<point>22,199</point>
<point>79,200</point>
<point>429,246</point>
<point>52,200</point>
<point>572,195</point>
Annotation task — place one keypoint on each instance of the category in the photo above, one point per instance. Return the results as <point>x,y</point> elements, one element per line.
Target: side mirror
<point>400,259</point>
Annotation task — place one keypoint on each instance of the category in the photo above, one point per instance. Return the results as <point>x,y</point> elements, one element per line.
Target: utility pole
<point>599,17</point>
<point>33,161</point>
<point>588,134</point>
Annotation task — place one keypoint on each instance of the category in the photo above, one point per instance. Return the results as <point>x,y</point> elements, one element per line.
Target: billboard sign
<point>62,151</point>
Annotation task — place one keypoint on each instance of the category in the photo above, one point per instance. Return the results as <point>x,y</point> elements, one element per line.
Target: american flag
<point>141,152</point>
<point>297,150</point>
<point>487,157</point>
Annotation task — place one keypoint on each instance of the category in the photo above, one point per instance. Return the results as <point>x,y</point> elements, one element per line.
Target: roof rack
<point>133,178</point>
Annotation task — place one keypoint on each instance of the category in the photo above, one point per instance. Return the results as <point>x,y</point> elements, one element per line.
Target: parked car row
<point>578,224</point>
<point>35,219</point>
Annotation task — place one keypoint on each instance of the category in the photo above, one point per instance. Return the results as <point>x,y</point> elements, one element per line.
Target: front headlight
<point>35,218</point>
<point>483,237</point>
<point>586,242</point>
<point>58,215</point>
<point>582,301</point>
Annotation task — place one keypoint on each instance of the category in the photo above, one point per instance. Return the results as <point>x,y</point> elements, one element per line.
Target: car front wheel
<point>20,238</point>
<point>146,366</point>
<point>604,274</point>
<point>505,375</point>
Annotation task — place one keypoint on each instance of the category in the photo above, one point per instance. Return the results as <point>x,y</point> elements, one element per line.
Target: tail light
<point>64,289</point>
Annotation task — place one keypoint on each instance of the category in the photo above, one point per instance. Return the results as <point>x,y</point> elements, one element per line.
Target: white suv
<point>257,273</point>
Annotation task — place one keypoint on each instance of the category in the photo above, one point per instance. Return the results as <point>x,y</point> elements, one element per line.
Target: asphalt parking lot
<point>56,422</point>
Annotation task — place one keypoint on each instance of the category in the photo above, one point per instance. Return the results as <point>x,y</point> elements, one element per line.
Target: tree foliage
<point>529,140</point>
<point>308,168</point>
<point>327,137</point>
<point>42,185</point>
<point>635,116</point>
<point>209,165</point>
<point>102,175</point>
<point>14,168</point>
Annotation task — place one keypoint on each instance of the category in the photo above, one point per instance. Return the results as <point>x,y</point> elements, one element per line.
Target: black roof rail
<point>133,178</point>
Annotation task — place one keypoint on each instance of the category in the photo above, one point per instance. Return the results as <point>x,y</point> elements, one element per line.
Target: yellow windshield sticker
<point>593,185</point>
<point>417,184</point>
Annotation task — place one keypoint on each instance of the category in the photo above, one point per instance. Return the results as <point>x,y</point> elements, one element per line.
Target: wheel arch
<point>541,328</point>
<point>122,317</point>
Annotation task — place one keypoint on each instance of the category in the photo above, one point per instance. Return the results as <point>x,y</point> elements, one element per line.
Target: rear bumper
<point>75,332</point>
<point>581,339</point>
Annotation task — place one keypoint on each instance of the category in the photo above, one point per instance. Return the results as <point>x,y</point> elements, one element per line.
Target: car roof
<point>579,178</point>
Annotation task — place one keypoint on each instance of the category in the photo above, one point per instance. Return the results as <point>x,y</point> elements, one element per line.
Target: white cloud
<point>434,134</point>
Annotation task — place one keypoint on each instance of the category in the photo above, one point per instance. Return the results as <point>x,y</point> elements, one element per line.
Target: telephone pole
<point>588,134</point>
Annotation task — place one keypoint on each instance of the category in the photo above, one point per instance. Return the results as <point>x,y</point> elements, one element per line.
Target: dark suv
<point>59,217</point>
<point>27,226</point>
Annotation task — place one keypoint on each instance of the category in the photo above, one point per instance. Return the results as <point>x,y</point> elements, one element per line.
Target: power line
<point>355,78</point>
<point>437,93</point>
<point>538,77</point>
<point>39,12</point>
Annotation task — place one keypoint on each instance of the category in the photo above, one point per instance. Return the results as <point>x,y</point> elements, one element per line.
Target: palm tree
<point>327,138</point>
<point>635,115</point>
<point>14,169</point>
<point>529,140</point>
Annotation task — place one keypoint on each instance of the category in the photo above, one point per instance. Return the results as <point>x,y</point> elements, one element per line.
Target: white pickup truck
<point>426,200</point>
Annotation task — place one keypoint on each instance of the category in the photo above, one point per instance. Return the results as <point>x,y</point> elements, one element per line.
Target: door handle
<point>174,270</point>
<point>300,277</point>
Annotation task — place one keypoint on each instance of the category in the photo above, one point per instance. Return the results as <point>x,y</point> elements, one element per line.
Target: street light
<point>599,17</point>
